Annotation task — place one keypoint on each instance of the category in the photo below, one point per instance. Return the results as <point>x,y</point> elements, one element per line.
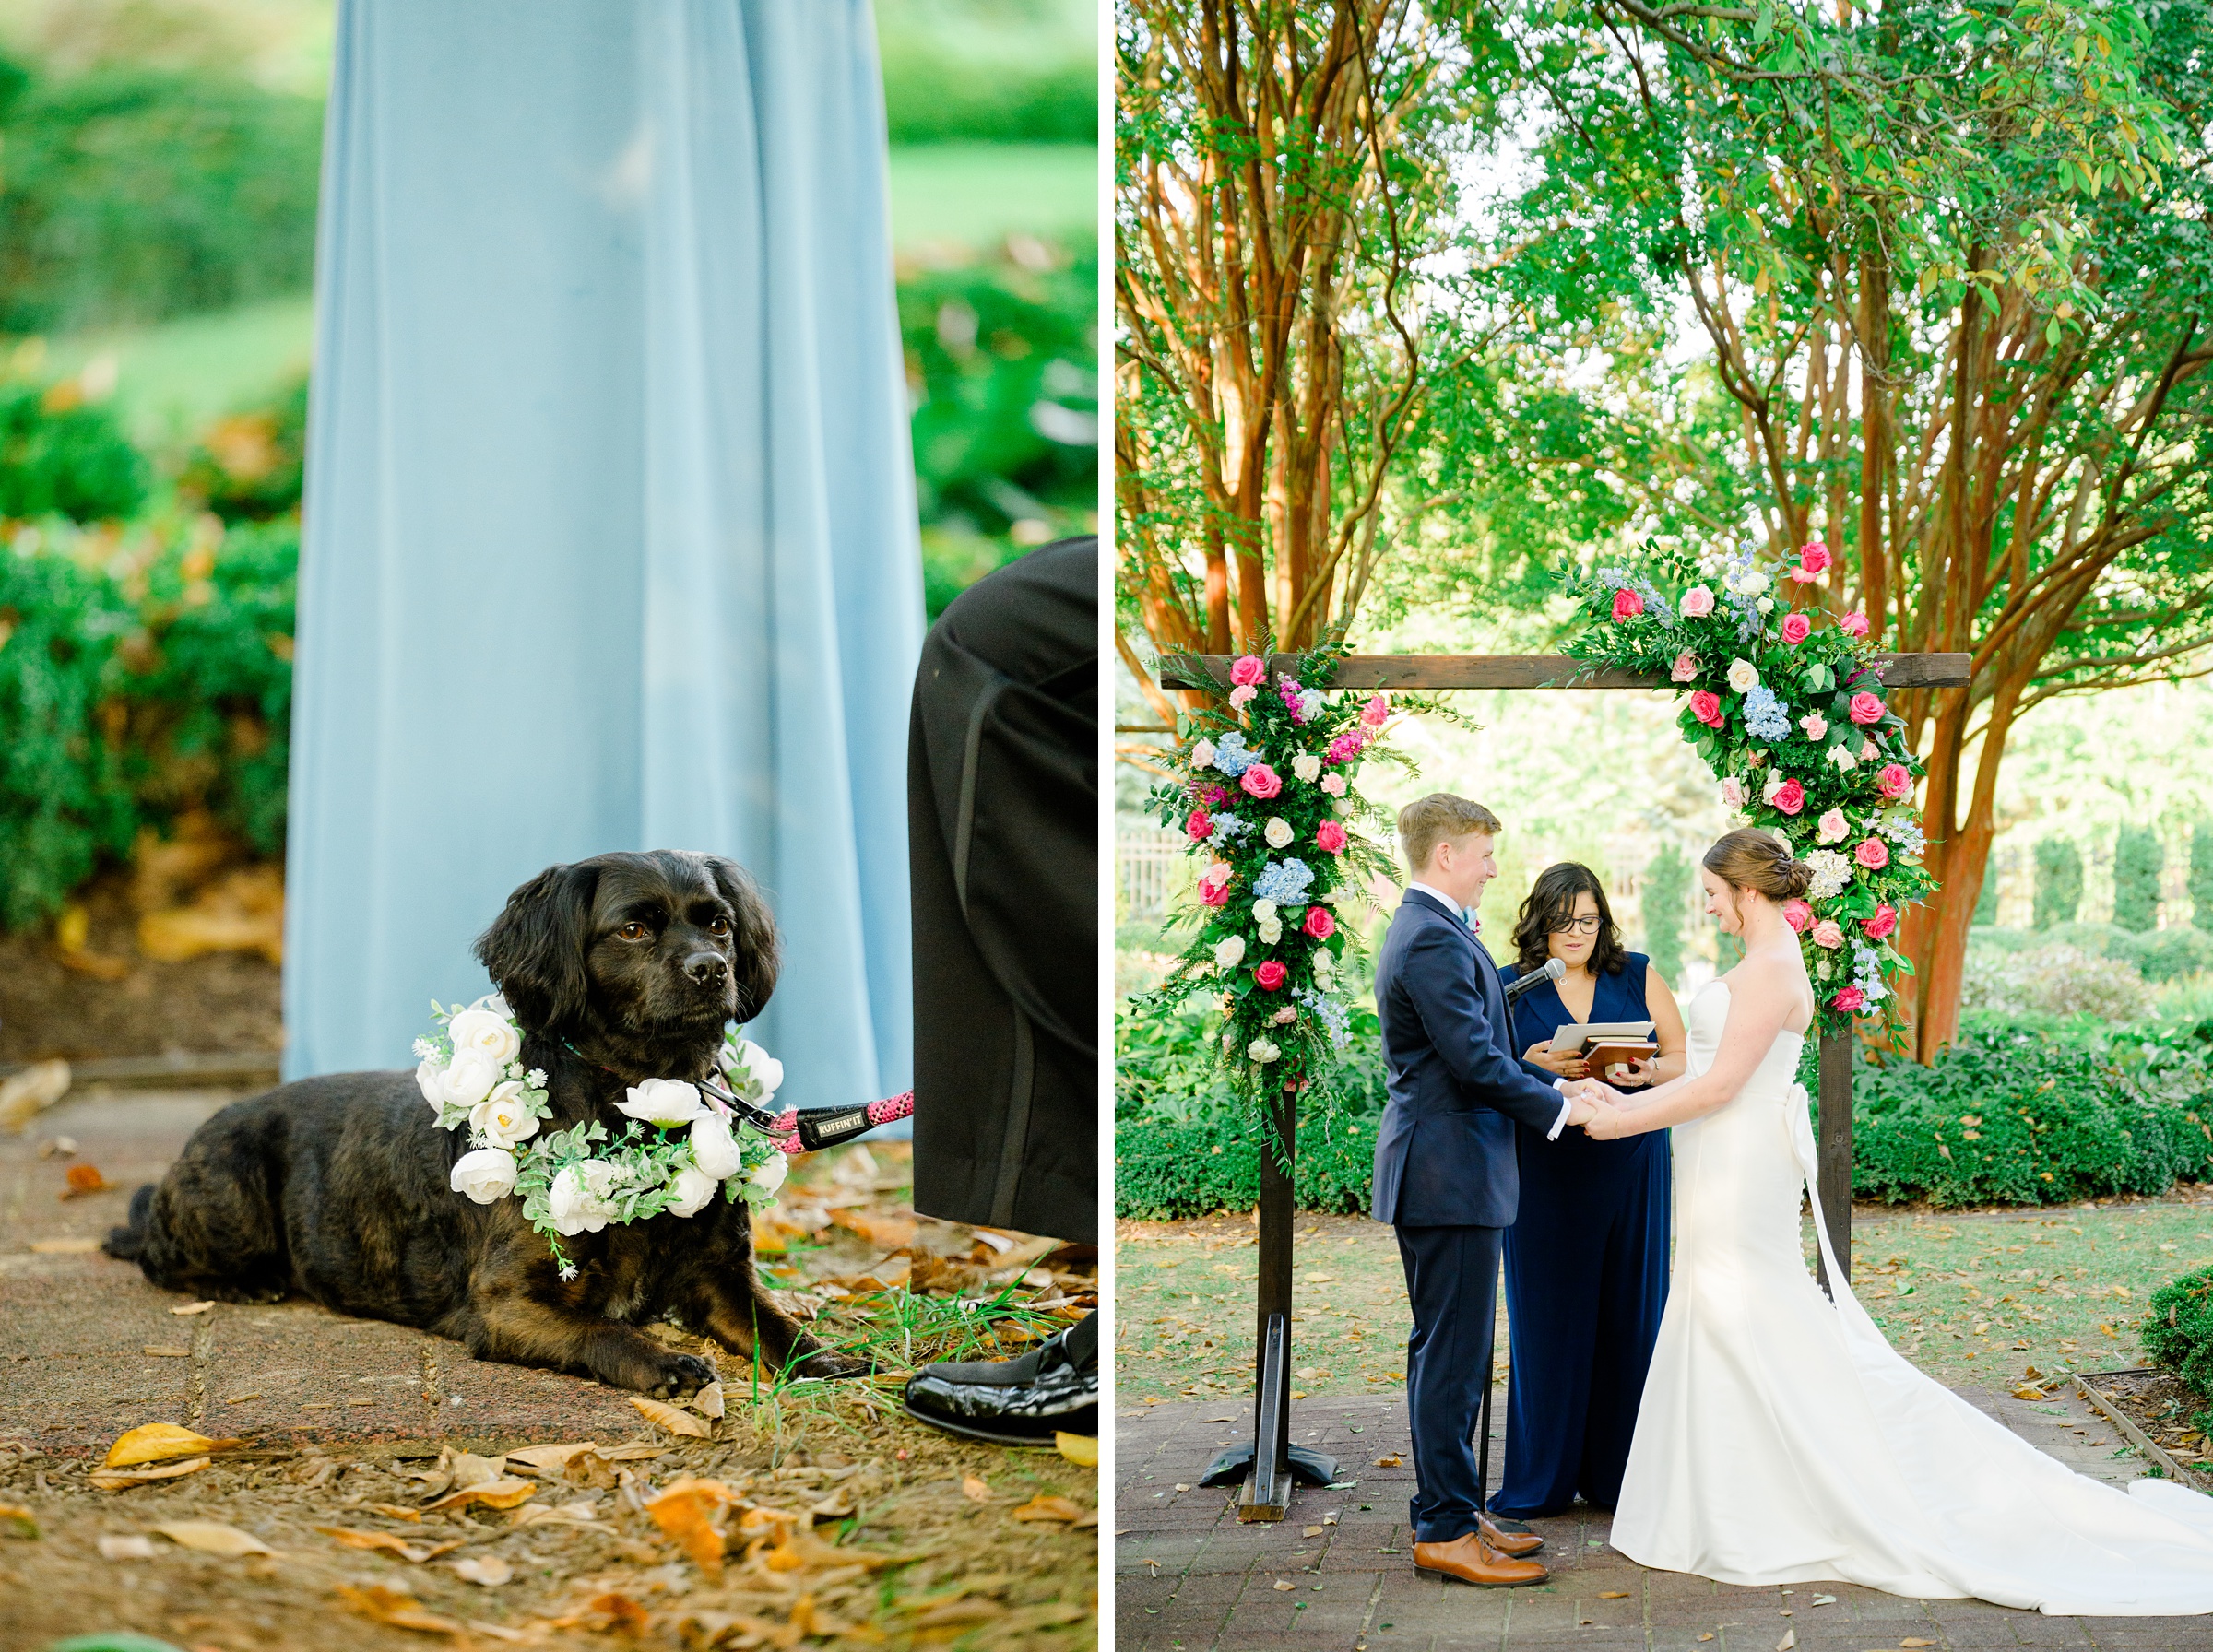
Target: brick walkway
<point>76,1371</point>
<point>1337,1576</point>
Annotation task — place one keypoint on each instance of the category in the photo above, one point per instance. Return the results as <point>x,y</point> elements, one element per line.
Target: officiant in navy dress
<point>1586,1259</point>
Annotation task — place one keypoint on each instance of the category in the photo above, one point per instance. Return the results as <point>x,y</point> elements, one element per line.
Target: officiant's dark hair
<point>1551,904</point>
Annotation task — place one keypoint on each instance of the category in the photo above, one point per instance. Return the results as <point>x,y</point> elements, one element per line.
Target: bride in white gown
<point>1781,1439</point>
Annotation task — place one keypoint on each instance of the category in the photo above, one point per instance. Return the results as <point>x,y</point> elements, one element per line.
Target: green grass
<point>975,195</point>
<point>1968,1297</point>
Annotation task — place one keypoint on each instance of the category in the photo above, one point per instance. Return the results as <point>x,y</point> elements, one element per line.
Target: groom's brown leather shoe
<point>1472,1560</point>
<point>1512,1544</point>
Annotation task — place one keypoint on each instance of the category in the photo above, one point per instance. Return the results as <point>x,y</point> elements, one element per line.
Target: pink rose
<point>1854,623</point>
<point>1684,669</point>
<point>1199,826</point>
<point>1849,999</point>
<point>1884,921</point>
<point>1321,923</point>
<point>1814,557</point>
<point>1789,797</point>
<point>1241,696</point>
<point>1796,628</point>
<point>1894,781</point>
<point>1827,934</point>
<point>1797,914</point>
<point>1698,602</point>
<point>1832,826</point>
<point>1628,605</point>
<point>1867,708</point>
<point>1733,792</point>
<point>1706,706</point>
<point>1214,894</point>
<point>1329,835</point>
<point>1375,712</point>
<point>1248,671</point>
<point>1270,975</point>
<point>1261,780</point>
<point>1873,853</point>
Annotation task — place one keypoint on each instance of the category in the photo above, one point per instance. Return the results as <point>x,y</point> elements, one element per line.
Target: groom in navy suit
<point>1445,1173</point>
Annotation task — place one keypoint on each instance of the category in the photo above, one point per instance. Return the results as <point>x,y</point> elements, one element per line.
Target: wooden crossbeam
<point>1522,671</point>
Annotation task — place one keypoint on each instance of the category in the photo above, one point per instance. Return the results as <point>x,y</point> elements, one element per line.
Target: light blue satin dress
<point>610,537</point>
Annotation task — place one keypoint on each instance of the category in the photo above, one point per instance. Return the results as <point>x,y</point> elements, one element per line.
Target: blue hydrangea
<point>1230,755</point>
<point>1336,1020</point>
<point>1765,715</point>
<point>1282,881</point>
<point>1226,826</point>
<point>1905,831</point>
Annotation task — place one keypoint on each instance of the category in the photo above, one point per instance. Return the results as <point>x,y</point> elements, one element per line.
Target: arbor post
<point>1833,1147</point>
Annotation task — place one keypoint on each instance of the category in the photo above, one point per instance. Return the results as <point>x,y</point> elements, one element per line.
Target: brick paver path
<point>1337,1576</point>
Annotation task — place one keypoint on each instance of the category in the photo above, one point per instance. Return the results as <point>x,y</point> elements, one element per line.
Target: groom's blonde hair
<point>1428,821</point>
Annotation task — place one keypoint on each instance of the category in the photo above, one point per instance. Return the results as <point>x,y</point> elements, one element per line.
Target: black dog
<point>619,968</point>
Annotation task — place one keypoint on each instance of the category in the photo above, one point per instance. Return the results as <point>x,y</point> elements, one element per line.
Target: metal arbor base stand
<point>1273,1463</point>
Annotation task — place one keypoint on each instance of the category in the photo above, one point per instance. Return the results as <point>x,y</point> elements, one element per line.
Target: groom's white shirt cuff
<point>1567,1107</point>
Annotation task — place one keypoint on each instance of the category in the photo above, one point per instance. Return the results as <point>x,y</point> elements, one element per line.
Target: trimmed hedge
<point>2178,1333</point>
<point>1167,1167</point>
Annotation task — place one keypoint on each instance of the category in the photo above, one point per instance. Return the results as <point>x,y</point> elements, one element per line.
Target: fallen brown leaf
<point>382,1605</point>
<point>541,1459</point>
<point>1284,1587</point>
<point>708,1402</point>
<point>1311,1531</point>
<point>166,1352</point>
<point>1390,1460</point>
<point>122,1480</point>
<point>622,1613</point>
<point>212,1536</point>
<point>1083,1449</point>
<point>194,1307</point>
<point>1042,1508</point>
<point>685,1513</point>
<point>396,1511</point>
<point>414,1554</point>
<point>504,1492</point>
<point>885,1232</point>
<point>486,1570</point>
<point>84,1179</point>
<point>974,1490</point>
<point>157,1442</point>
<point>582,1514</point>
<point>125,1546</point>
<point>15,1521</point>
<point>1916,1643</point>
<point>64,1247</point>
<point>668,1417</point>
<point>470,1469</point>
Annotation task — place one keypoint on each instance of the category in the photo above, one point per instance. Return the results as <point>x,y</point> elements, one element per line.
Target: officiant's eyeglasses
<point>1582,925</point>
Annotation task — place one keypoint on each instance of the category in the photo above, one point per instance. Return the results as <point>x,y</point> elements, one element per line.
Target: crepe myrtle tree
<point>1932,283</point>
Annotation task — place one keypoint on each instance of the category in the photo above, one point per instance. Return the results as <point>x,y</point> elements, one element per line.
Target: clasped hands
<point>1591,1107</point>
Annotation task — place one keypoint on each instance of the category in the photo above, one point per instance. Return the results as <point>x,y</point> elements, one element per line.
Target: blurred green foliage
<point>2178,1333</point>
<point>131,195</point>
<point>249,466</point>
<point>2058,881</point>
<point>62,457</point>
<point>995,71</point>
<point>2138,860</point>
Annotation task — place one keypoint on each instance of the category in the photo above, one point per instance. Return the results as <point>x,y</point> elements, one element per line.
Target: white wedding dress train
<point>1781,1439</point>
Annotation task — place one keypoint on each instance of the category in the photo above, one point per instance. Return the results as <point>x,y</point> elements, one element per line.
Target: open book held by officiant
<point>1605,1044</point>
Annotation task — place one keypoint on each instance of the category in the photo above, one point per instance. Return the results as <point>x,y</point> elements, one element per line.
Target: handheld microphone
<point>1554,969</point>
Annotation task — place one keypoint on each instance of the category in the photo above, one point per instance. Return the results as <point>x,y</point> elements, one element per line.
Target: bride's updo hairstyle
<point>1749,858</point>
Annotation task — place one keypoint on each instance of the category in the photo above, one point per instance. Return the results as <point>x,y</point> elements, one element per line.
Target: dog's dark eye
<point>718,925</point>
<point>633,930</point>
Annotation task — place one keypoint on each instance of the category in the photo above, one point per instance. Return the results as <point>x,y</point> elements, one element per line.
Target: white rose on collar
<point>468,1077</point>
<point>480,1030</point>
<point>662,1102</point>
<point>486,1175</point>
<point>692,1190</point>
<point>753,1073</point>
<point>714,1149</point>
<point>769,1176</point>
<point>577,1202</point>
<point>496,1002</point>
<point>430,1078</point>
<point>500,1118</point>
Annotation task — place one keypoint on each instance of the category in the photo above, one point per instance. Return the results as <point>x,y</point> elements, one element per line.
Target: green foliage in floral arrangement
<point>1666,888</point>
<point>2177,1332</point>
<point>60,457</point>
<point>2006,1116</point>
<point>2138,859</point>
<point>2201,875</point>
<point>2058,881</point>
<point>63,801</point>
<point>1781,703</point>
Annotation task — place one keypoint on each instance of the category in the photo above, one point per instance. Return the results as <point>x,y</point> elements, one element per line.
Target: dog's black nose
<point>707,968</point>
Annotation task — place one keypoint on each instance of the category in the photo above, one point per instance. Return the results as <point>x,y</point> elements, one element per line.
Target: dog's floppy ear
<point>535,949</point>
<point>757,952</point>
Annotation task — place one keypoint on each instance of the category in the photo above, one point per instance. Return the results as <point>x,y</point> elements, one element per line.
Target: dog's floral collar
<point>580,1180</point>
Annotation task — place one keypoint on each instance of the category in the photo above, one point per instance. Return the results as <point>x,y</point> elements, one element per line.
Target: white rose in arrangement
<point>1261,1051</point>
<point>1344,809</point>
<point>1774,784</point>
<point>1307,766</point>
<point>662,1102</point>
<point>1271,931</point>
<point>468,1077</point>
<point>1752,584</point>
<point>1202,755</point>
<point>1815,725</point>
<point>500,1118</point>
<point>496,1003</point>
<point>1767,604</point>
<point>1325,964</point>
<point>1263,910</point>
<point>578,1202</point>
<point>1230,951</point>
<point>479,1030</point>
<point>755,1074</point>
<point>430,1078</point>
<point>1333,784</point>
<point>769,1175</point>
<point>691,1189</point>
<point>485,1174</point>
<point>1277,832</point>
<point>1841,756</point>
<point>714,1149</point>
<point>1743,676</point>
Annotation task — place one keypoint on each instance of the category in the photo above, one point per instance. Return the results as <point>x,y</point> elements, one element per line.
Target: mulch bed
<point>2158,1403</point>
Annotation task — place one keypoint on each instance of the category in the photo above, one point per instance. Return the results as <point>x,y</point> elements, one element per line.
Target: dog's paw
<point>681,1375</point>
<point>828,1362</point>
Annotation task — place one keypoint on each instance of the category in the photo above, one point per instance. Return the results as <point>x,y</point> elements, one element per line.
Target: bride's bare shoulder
<point>1768,984</point>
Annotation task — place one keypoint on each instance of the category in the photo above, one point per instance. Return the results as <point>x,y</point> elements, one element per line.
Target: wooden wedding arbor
<point>1275,1463</point>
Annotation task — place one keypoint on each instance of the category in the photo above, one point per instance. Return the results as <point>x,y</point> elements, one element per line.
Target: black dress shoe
<point>1054,1388</point>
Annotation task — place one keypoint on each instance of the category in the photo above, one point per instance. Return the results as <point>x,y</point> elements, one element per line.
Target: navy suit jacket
<point>1445,1155</point>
